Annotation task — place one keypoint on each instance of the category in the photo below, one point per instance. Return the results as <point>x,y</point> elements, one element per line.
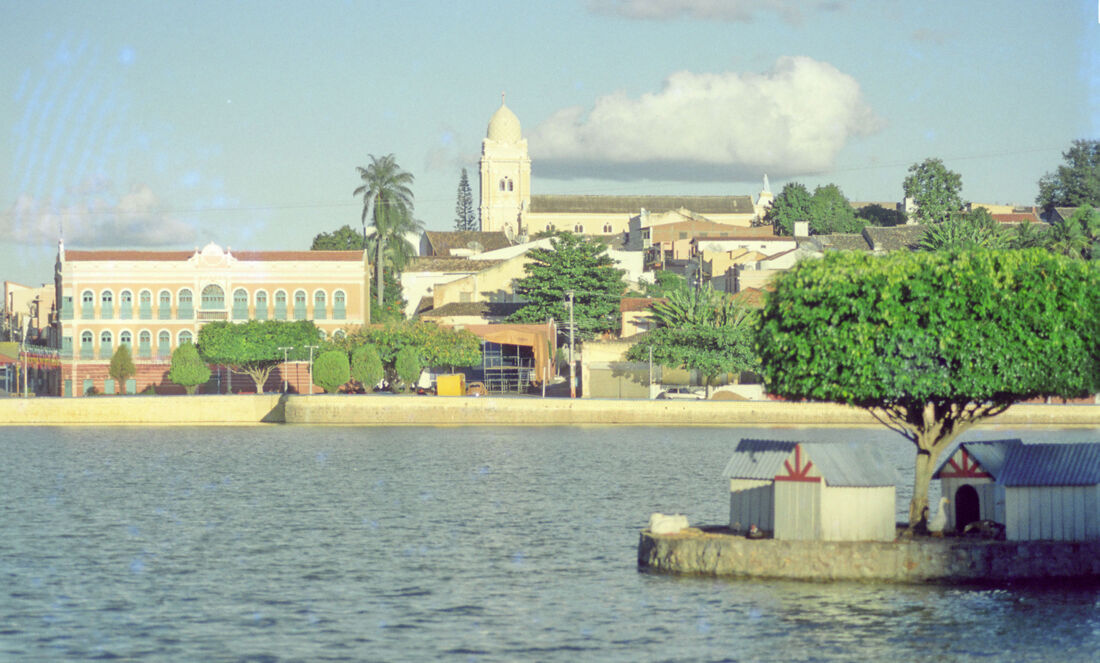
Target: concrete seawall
<point>438,410</point>
<point>695,552</point>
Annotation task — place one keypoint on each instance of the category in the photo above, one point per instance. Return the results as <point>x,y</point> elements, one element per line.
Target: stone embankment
<point>949,560</point>
<point>379,410</point>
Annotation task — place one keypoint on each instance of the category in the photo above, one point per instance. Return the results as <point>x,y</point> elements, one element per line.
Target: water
<point>293,543</point>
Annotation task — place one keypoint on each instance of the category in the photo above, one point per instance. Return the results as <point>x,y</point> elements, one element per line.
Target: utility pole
<point>651,372</point>
<point>282,369</point>
<point>311,349</point>
<point>572,364</point>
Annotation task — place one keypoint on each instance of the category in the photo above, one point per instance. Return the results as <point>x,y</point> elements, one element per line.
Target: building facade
<point>155,301</point>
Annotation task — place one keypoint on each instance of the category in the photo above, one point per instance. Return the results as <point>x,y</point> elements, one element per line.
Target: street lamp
<point>311,349</point>
<point>283,368</point>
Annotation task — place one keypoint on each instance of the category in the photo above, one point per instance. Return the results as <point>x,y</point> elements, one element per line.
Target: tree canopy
<point>932,342</point>
<point>578,264</point>
<point>388,200</point>
<point>976,229</point>
<point>434,346</point>
<point>711,349</point>
<point>187,369</point>
<point>331,370</point>
<point>252,347</point>
<point>934,189</point>
<point>1077,181</point>
<point>122,366</point>
<point>827,210</point>
<point>341,239</point>
<point>465,216</point>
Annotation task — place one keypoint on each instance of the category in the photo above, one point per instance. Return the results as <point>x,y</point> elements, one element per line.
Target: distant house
<point>1038,491</point>
<point>461,244</point>
<point>812,490</point>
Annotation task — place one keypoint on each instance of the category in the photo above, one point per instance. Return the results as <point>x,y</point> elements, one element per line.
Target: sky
<point>171,124</point>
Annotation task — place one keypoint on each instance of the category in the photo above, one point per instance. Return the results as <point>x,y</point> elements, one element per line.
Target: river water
<point>296,543</point>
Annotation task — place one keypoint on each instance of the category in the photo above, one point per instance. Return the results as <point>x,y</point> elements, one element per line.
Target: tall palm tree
<point>388,199</point>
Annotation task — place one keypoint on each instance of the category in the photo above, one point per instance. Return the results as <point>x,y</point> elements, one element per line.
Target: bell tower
<point>505,171</point>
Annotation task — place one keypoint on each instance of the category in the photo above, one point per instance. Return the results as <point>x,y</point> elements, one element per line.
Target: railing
<point>213,315</point>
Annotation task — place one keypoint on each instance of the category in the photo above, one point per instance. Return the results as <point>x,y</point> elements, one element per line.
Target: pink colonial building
<point>156,300</point>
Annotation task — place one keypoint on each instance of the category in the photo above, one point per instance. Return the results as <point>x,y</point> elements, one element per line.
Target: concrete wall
<point>913,561</point>
<point>144,410</point>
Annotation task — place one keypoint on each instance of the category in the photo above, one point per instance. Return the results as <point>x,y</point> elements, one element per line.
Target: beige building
<point>508,205</point>
<point>156,300</point>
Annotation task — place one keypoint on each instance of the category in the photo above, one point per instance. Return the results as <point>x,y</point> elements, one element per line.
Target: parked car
<point>682,393</point>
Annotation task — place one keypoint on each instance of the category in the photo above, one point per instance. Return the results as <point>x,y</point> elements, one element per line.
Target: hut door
<point>968,507</point>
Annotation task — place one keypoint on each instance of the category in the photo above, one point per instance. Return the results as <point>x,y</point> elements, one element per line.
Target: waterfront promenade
<point>439,410</point>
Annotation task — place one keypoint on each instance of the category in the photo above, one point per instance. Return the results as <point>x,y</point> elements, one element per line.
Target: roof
<point>853,464</point>
<point>481,309</point>
<point>442,243</point>
<point>635,204</point>
<point>436,264</point>
<point>894,238</point>
<point>504,126</point>
<point>628,304</point>
<point>990,454</point>
<point>248,256</point>
<point>843,242</point>
<point>1052,464</point>
<point>744,237</point>
<point>1016,217</point>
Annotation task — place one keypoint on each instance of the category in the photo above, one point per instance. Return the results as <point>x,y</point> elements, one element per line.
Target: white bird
<point>939,521</point>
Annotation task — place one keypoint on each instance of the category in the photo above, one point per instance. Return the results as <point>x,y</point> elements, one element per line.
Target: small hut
<point>812,490</point>
<point>1039,492</point>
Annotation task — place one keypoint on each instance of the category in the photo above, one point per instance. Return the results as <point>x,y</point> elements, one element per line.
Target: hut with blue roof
<point>813,490</point>
<point>1040,492</point>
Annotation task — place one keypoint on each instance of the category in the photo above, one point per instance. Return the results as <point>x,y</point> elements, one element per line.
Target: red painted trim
<point>800,471</point>
<point>799,479</point>
<point>970,469</point>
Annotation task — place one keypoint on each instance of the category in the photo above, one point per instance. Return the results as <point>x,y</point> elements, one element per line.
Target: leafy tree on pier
<point>188,370</point>
<point>366,366</point>
<point>331,370</point>
<point>122,367</point>
<point>407,366</point>
<point>931,343</point>
<point>465,217</point>
<point>252,347</point>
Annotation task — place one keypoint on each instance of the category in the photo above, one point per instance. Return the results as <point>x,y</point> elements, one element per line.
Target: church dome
<point>504,126</point>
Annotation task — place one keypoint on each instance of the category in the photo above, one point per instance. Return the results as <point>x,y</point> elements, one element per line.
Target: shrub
<point>331,370</point>
<point>188,370</point>
<point>366,366</point>
<point>122,367</point>
<point>408,367</point>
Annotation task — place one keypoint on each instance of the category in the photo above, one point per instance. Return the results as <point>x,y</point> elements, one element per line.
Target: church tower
<point>505,173</point>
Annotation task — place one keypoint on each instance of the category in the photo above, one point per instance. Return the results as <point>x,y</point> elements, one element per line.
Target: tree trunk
<point>921,479</point>
<point>379,285</point>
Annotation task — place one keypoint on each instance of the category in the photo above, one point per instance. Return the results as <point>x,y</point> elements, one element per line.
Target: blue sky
<point>172,124</point>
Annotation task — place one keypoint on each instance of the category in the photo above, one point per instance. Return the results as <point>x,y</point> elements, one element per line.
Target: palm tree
<point>389,200</point>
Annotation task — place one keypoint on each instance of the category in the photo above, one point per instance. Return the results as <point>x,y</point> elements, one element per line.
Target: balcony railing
<point>212,315</point>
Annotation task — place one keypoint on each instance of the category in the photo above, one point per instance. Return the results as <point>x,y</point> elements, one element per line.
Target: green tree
<point>465,217</point>
<point>1078,236</point>
<point>388,200</point>
<point>187,369</point>
<point>408,367</point>
<point>578,264</point>
<point>252,347</point>
<point>792,204</point>
<point>963,231</point>
<point>830,212</point>
<point>434,346</point>
<point>342,239</point>
<point>879,216</point>
<point>713,350</point>
<point>697,306</point>
<point>664,282</point>
<point>1028,236</point>
<point>934,189</point>
<point>366,366</point>
<point>394,308</point>
<point>932,342</point>
<point>331,370</point>
<point>122,367</point>
<point>1077,181</point>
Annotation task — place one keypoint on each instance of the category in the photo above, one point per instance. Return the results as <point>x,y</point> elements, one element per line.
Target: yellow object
<point>451,385</point>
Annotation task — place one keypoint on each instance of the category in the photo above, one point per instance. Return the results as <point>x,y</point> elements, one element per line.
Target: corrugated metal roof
<point>1052,465</point>
<point>990,454</point>
<point>852,464</point>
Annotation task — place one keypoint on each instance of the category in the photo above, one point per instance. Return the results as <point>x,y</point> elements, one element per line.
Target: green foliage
<point>1029,236</point>
<point>407,366</point>
<point>879,216</point>
<point>579,264</point>
<point>433,345</point>
<point>792,204</point>
<point>393,310</point>
<point>366,366</point>
<point>698,306</point>
<point>388,199</point>
<point>932,342</point>
<point>827,210</point>
<point>712,350</point>
<point>253,347</point>
<point>1077,181</point>
<point>664,282</point>
<point>966,231</point>
<point>342,239</point>
<point>465,217</point>
<point>331,370</point>
<point>122,366</point>
<point>934,189</point>
<point>1078,236</point>
<point>187,369</point>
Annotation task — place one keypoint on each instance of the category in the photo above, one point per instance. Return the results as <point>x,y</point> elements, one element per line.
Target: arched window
<point>339,300</point>
<point>579,229</point>
<point>86,340</point>
<point>319,305</point>
<point>300,305</point>
<point>87,304</point>
<point>145,305</point>
<point>339,333</point>
<point>164,305</point>
<point>509,185</point>
<point>125,305</point>
<point>105,349</point>
<point>145,344</point>
<point>106,305</point>
<point>322,333</point>
<point>125,338</point>
<point>185,310</point>
<point>261,305</point>
<point>607,227</point>
<point>213,298</point>
<point>186,337</point>
<point>280,305</point>
<point>502,185</point>
<point>240,304</point>
<point>164,344</point>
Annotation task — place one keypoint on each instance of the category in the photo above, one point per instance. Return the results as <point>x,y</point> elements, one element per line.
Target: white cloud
<point>96,219</point>
<point>711,10</point>
<point>792,120</point>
